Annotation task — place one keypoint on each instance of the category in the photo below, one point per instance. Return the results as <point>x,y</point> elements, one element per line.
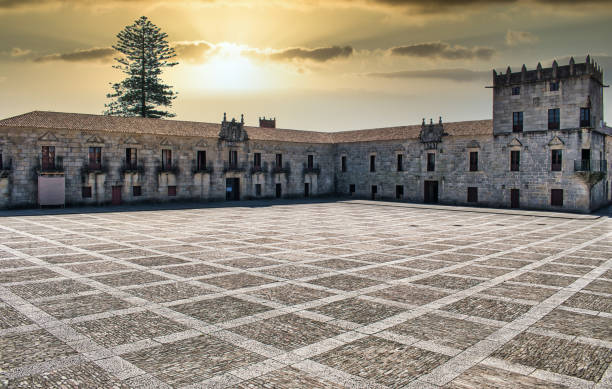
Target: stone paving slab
<point>352,294</point>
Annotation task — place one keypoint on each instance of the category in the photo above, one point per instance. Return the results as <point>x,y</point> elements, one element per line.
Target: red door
<point>116,195</point>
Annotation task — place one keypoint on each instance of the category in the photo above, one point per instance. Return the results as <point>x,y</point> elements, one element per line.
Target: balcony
<point>233,168</point>
<point>168,168</point>
<point>589,165</point>
<point>276,169</point>
<point>315,169</point>
<point>132,167</point>
<point>256,169</point>
<point>47,167</point>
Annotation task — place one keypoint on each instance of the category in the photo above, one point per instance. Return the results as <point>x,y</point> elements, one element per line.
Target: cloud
<point>321,54</point>
<point>443,50</point>
<point>96,54</point>
<point>3,78</point>
<point>457,74</point>
<point>192,51</point>
<point>17,52</point>
<point>514,38</point>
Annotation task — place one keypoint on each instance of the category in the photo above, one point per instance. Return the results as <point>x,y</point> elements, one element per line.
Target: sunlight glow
<point>229,70</point>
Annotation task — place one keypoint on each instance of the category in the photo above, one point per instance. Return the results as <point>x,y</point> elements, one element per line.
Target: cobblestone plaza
<point>305,295</point>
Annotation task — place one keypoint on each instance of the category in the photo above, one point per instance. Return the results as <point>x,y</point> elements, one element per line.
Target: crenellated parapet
<point>553,73</point>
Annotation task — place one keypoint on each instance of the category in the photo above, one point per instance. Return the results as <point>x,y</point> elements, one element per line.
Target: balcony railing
<point>312,169</point>
<point>168,168</point>
<point>233,167</point>
<point>257,169</point>
<point>51,167</point>
<point>202,169</point>
<point>590,165</point>
<point>132,167</point>
<point>276,169</point>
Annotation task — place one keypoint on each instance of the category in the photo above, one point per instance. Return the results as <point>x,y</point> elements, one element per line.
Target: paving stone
<point>47,289</point>
<point>358,310</point>
<point>344,282</point>
<point>287,378</point>
<point>288,332</point>
<point>291,294</point>
<point>181,363</point>
<point>449,282</point>
<point>96,267</point>
<point>577,324</point>
<point>84,375</point>
<point>388,273</point>
<point>159,260</point>
<point>169,292</point>
<point>190,271</point>
<point>488,308</point>
<point>590,301</point>
<point>238,281</point>
<point>517,291</point>
<point>410,294</point>
<point>32,274</point>
<point>544,279</point>
<point>292,272</point>
<point>485,377</point>
<point>220,309</point>
<point>130,328</point>
<point>129,278</point>
<point>68,308</point>
<point>9,317</point>
<point>382,361</point>
<point>601,286</point>
<point>557,355</point>
<point>31,347</point>
<point>248,262</point>
<point>445,331</point>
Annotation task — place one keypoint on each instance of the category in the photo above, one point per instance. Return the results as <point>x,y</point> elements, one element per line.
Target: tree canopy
<point>146,53</point>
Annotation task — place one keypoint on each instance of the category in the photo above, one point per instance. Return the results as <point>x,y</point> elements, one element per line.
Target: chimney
<point>267,123</point>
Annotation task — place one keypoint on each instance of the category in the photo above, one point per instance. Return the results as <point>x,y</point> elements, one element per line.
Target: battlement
<point>554,73</point>
<point>267,123</point>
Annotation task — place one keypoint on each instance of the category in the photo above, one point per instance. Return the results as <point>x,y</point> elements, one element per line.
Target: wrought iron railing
<point>590,165</point>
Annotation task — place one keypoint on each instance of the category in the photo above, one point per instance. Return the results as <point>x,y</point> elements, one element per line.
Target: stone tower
<point>571,95</point>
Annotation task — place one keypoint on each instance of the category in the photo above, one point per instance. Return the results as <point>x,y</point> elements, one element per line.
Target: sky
<point>326,65</point>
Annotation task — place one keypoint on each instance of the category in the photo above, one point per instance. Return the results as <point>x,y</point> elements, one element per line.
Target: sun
<point>228,69</point>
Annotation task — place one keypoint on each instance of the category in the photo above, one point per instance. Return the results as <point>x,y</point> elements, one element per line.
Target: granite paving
<point>315,294</point>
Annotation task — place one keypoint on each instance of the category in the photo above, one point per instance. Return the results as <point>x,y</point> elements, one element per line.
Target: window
<point>172,190</point>
<point>472,194</point>
<point>136,191</point>
<point>343,163</point>
<point>399,192</point>
<point>431,162</point>
<point>279,161</point>
<point>166,159</point>
<point>257,189</point>
<point>95,158</point>
<point>201,162</point>
<point>372,163</point>
<point>86,192</point>
<point>516,91</point>
<point>310,161</point>
<point>131,158</point>
<point>554,119</point>
<point>48,158</point>
<point>556,160</point>
<point>554,86</point>
<point>233,158</point>
<point>352,188</point>
<point>517,122</point>
<point>585,117</point>
<point>1,166</point>
<point>400,162</point>
<point>473,161</point>
<point>515,160</point>
<point>556,197</point>
<point>257,160</point>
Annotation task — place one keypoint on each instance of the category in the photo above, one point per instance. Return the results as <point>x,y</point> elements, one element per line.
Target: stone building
<point>546,147</point>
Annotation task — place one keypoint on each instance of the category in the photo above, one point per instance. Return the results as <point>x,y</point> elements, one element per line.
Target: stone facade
<point>465,163</point>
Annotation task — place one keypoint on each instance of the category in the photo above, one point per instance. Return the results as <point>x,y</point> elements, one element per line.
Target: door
<point>306,189</point>
<point>399,192</point>
<point>279,191</point>
<point>431,192</point>
<point>116,195</point>
<point>232,189</point>
<point>374,191</point>
<point>514,198</point>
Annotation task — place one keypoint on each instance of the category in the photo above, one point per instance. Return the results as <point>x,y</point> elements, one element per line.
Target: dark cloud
<point>192,51</point>
<point>458,74</point>
<point>321,54</point>
<point>96,54</point>
<point>443,50</point>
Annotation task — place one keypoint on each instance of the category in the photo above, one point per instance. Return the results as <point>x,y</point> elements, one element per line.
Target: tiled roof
<point>137,125</point>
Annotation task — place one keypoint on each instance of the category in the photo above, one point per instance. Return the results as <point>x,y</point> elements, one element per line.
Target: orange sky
<point>325,65</point>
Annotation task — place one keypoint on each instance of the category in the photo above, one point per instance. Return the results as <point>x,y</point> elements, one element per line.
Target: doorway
<point>431,192</point>
<point>279,191</point>
<point>306,189</point>
<point>116,192</point>
<point>514,198</point>
<point>232,189</point>
<point>374,191</point>
<point>399,192</point>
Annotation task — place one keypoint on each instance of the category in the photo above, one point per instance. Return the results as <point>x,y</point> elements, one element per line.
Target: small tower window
<point>585,117</point>
<point>554,86</point>
<point>517,122</point>
<point>372,163</point>
<point>554,119</point>
<point>516,91</point>
<point>343,163</point>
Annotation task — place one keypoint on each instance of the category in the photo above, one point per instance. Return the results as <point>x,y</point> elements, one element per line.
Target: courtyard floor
<point>305,295</point>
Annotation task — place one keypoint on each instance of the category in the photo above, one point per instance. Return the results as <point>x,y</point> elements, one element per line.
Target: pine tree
<point>145,53</point>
